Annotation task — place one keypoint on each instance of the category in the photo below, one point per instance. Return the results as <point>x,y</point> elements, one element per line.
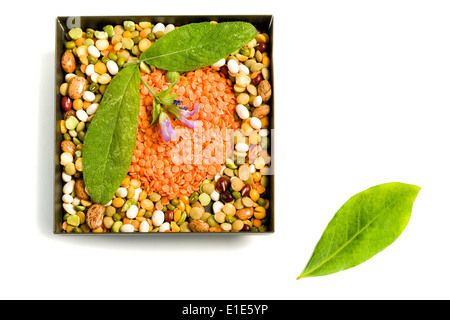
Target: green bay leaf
<point>365,225</point>
<point>197,45</point>
<point>111,136</point>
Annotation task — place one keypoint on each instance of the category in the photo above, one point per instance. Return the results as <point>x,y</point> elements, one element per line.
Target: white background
<point>362,98</point>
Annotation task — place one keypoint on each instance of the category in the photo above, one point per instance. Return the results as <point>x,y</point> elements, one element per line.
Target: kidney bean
<point>222,184</point>
<point>262,47</point>
<point>224,70</point>
<point>226,196</point>
<point>246,190</point>
<point>168,216</point>
<point>256,80</point>
<point>66,103</point>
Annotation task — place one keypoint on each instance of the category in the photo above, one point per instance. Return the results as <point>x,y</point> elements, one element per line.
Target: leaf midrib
<point>348,241</point>
<point>121,99</point>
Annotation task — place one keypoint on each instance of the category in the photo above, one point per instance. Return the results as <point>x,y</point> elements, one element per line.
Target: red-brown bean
<point>168,216</point>
<point>246,190</point>
<point>226,196</point>
<point>66,103</point>
<point>222,184</point>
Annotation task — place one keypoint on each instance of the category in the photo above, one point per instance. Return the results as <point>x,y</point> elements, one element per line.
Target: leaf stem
<point>150,89</point>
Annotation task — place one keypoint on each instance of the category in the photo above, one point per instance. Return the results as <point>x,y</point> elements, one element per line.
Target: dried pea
<point>204,199</point>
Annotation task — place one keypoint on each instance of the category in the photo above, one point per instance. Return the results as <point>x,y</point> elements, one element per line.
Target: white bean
<point>257,101</point>
<point>144,226</point>
<point>94,77</point>
<point>68,207</point>
<point>89,96</point>
<point>158,27</point>
<point>93,51</point>
<point>68,187</point>
<point>76,201</point>
<point>243,69</point>
<point>242,111</point>
<point>65,158</point>
<point>67,198</point>
<point>112,67</point>
<point>82,115</point>
<point>121,192</point>
<point>92,108</point>
<point>164,227</point>
<point>241,147</point>
<point>233,66</point>
<point>255,123</point>
<point>217,206</point>
<point>90,69</point>
<point>157,218</point>
<point>252,168</point>
<point>66,177</point>
<point>137,192</point>
<point>263,132</point>
<point>215,195</point>
<point>68,76</point>
<point>127,228</point>
<point>219,63</point>
<point>132,212</point>
<point>168,28</point>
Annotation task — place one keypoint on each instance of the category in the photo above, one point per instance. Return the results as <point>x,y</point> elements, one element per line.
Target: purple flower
<point>178,103</point>
<point>168,132</point>
<point>184,114</point>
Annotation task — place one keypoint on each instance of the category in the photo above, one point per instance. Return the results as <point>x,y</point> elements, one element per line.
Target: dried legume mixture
<point>212,178</point>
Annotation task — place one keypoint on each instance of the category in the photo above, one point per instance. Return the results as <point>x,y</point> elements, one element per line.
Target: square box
<point>63,25</point>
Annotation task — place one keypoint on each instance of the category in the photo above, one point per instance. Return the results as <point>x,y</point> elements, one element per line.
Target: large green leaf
<point>197,45</point>
<point>111,136</point>
<point>365,225</point>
